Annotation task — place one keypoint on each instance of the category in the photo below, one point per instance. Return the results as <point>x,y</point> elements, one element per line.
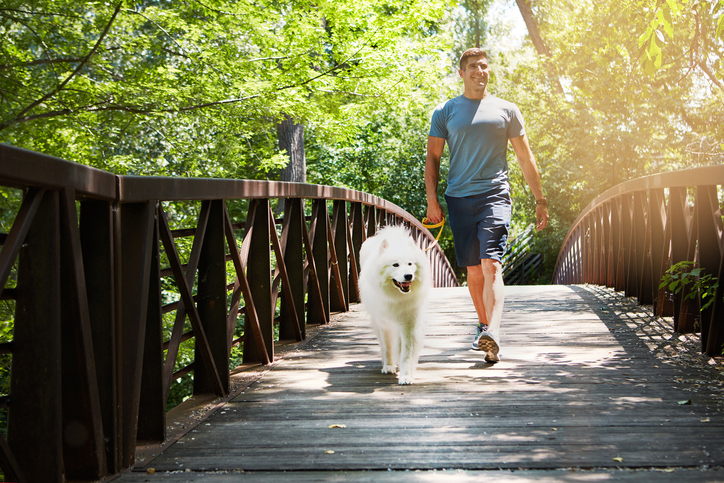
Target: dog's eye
<point>409,264</point>
<point>395,265</point>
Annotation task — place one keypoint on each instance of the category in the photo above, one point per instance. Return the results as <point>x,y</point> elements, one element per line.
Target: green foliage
<point>386,158</point>
<point>654,38</point>
<point>682,274</point>
<point>196,88</point>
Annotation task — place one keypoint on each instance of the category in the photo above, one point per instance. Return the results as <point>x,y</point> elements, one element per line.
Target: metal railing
<point>89,378</point>
<point>518,261</point>
<point>629,236</point>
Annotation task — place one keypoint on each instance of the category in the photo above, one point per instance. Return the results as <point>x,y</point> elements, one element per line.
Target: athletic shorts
<point>480,225</point>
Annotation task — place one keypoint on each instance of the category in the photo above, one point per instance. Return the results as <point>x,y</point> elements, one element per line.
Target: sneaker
<point>479,329</point>
<point>488,342</point>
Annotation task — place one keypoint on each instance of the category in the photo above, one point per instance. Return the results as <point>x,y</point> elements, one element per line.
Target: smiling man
<point>477,127</point>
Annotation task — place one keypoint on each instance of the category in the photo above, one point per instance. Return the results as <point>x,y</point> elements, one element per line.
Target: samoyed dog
<point>394,282</point>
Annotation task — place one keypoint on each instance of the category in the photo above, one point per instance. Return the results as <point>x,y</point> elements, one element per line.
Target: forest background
<point>340,92</point>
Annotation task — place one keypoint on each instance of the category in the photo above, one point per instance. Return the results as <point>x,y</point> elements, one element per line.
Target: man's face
<point>476,73</point>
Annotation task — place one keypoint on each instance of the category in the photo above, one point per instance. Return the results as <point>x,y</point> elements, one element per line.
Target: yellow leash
<point>429,226</point>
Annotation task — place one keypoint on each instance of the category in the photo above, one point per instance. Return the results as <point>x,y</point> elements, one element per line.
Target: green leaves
<point>653,40</point>
<point>681,274</point>
<point>192,82</point>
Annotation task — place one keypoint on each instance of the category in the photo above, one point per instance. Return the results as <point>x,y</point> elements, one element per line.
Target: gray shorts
<point>480,225</point>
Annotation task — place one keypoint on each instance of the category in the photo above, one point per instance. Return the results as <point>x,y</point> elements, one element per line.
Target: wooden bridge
<point>109,285</point>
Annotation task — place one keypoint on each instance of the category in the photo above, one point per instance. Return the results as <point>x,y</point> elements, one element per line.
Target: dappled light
<point>572,390</point>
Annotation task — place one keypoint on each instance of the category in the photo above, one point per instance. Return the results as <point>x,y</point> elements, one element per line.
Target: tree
<point>535,36</point>
<point>197,88</point>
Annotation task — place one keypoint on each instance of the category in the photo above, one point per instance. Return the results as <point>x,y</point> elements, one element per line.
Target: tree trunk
<point>537,39</point>
<point>291,139</point>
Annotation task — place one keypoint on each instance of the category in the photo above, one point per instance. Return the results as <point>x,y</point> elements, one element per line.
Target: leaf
<point>329,451</point>
<point>685,403</point>
<point>645,36</point>
<point>618,459</point>
<point>333,426</point>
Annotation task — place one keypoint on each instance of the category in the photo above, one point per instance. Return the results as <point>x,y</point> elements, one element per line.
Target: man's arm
<point>532,177</point>
<point>435,147</point>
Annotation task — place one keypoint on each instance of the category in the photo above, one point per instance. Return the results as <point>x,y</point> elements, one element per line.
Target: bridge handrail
<point>89,379</point>
<point>631,234</point>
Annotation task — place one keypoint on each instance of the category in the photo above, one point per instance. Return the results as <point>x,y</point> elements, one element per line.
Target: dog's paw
<point>388,369</point>
<point>404,379</point>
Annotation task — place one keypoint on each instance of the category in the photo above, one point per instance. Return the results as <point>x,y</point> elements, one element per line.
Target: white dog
<point>393,285</point>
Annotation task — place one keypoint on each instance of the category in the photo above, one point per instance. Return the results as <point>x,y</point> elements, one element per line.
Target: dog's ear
<point>384,246</point>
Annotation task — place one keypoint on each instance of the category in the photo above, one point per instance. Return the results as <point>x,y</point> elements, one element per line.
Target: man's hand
<point>541,215</point>
<point>434,212</point>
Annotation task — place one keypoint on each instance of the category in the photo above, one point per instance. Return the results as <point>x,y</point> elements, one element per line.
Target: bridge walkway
<point>590,387</point>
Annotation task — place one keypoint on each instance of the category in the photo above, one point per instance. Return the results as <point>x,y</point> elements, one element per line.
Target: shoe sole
<point>490,347</point>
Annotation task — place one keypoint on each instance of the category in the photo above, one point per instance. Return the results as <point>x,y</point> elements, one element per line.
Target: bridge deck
<point>582,383</point>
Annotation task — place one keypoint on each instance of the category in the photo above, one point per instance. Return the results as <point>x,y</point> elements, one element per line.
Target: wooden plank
<point>577,386</point>
<point>669,475</point>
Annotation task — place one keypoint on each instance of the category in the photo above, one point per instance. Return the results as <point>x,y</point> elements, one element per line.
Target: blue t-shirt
<point>477,133</point>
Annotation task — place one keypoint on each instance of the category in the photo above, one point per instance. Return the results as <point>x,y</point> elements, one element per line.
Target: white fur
<point>397,317</point>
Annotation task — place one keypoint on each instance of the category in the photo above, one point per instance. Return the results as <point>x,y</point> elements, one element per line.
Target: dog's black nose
<point>408,276</point>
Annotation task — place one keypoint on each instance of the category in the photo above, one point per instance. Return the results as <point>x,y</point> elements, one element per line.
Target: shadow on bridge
<point>573,390</point>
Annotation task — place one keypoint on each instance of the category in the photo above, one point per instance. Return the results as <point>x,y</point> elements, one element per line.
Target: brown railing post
<point>587,250</point>
<point>152,412</point>
<point>135,222</point>
<point>358,237</point>
<point>318,235</point>
<point>690,312</point>
<point>709,235</point>
<point>258,272</point>
<point>96,236</point>
<point>679,223</point>
<point>371,220</point>
<point>84,454</point>
<point>643,252</point>
<point>608,243</point>
<point>211,303</point>
<point>35,432</point>
<point>340,273</point>
<point>628,245</point>
<point>293,245</point>
<point>657,228</point>
<point>593,247</point>
<point>617,234</point>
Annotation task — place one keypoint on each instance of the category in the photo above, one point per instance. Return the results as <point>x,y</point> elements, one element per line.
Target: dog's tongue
<point>406,284</point>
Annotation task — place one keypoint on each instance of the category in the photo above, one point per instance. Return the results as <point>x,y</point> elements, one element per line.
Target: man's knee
<point>491,268</point>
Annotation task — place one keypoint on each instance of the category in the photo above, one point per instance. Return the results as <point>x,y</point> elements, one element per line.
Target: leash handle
<point>428,225</point>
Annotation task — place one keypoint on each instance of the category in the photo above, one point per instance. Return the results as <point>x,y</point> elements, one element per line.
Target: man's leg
<point>485,283</point>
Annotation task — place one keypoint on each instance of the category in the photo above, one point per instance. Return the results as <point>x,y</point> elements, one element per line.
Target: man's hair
<point>474,52</point>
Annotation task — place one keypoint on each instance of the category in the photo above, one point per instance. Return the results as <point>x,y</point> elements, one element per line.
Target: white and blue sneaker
<point>488,342</point>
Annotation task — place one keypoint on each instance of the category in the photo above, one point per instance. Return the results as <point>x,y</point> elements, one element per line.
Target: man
<point>477,127</point>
